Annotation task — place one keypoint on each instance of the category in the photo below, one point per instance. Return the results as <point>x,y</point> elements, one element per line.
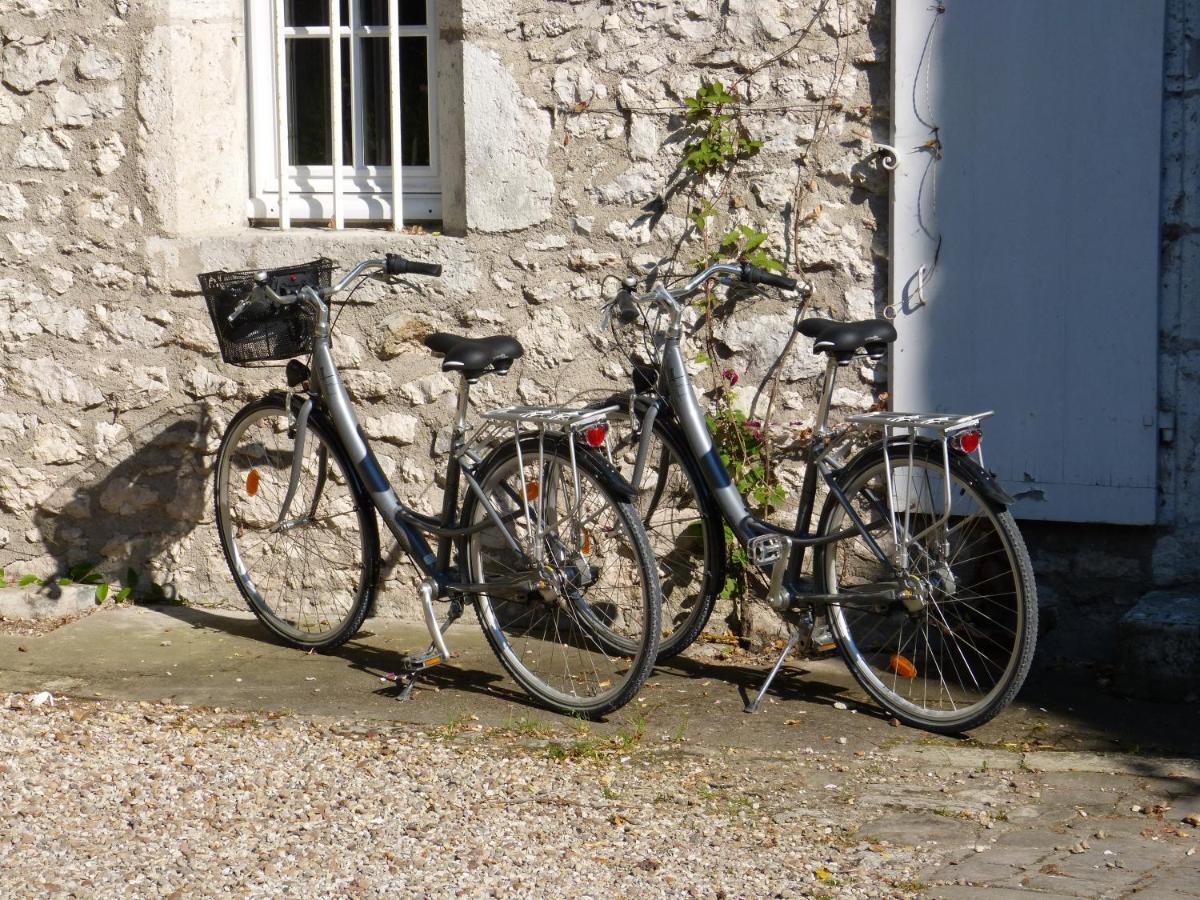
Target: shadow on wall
<point>139,504</point>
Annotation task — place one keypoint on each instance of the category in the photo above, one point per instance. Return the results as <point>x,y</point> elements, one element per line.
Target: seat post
<point>464,399</point>
<point>831,368</point>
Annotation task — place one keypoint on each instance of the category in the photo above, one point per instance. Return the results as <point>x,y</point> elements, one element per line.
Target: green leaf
<point>122,594</point>
<point>28,580</point>
<point>102,592</point>
<point>703,358</point>
<point>131,578</point>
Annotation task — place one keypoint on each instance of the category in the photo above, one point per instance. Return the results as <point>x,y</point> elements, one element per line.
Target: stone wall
<point>123,173</point>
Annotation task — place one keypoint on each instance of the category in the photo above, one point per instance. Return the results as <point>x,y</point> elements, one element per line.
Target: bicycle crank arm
<point>851,598</point>
<point>509,589</point>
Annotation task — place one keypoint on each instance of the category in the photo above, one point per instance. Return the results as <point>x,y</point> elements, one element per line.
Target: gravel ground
<point>123,799</point>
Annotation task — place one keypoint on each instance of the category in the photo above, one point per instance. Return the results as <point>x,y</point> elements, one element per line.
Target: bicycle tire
<point>693,572</point>
<point>536,637</point>
<point>310,606</point>
<point>978,545</point>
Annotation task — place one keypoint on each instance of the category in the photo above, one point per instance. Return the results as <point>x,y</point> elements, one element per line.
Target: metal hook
<point>889,156</point>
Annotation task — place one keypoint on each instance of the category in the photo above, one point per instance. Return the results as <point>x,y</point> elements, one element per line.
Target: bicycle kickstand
<point>793,639</point>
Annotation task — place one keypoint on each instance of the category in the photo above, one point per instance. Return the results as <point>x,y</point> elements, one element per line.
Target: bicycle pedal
<point>411,663</point>
<point>821,637</point>
<point>765,549</point>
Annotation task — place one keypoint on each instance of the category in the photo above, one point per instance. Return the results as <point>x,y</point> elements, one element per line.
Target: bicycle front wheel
<point>959,656</point>
<point>574,614</point>
<point>311,578</point>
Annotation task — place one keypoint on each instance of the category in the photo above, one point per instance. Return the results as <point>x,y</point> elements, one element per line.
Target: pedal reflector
<point>902,666</point>
<point>252,482</point>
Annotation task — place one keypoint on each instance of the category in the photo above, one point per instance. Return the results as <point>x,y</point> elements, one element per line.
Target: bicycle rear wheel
<point>582,635</point>
<point>959,659</point>
<point>312,579</point>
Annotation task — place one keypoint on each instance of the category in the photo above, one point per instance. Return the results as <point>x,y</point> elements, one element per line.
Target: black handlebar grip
<point>754,275</point>
<point>627,311</point>
<point>398,265</point>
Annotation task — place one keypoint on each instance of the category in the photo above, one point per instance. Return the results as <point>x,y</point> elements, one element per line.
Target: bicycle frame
<point>675,385</point>
<point>408,526</point>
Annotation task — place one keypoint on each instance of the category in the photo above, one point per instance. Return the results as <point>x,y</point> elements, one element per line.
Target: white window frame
<point>366,191</point>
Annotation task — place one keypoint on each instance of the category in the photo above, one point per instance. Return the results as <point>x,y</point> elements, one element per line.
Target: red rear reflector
<point>969,441</point>
<point>595,435</point>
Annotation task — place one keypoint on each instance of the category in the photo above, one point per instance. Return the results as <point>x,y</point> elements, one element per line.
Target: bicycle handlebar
<point>391,264</point>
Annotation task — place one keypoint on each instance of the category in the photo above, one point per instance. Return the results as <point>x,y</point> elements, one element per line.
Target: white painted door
<point>1038,232</point>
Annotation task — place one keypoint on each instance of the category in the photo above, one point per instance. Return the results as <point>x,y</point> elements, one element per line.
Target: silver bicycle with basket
<point>536,528</point>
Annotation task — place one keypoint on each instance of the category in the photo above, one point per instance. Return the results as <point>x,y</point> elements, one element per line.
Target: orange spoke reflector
<point>587,542</point>
<point>902,666</point>
<point>252,482</point>
<point>531,491</point>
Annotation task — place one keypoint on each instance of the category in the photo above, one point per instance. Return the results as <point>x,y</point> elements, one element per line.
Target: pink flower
<point>730,376</point>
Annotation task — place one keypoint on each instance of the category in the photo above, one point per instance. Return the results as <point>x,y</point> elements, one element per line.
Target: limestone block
<point>364,384</point>
<point>129,325</point>
<point>427,389</point>
<point>550,338</point>
<point>107,154</point>
<point>29,243</point>
<point>395,428</point>
<point>397,334</point>
<point>200,382</point>
<point>141,386</point>
<point>759,340</point>
<point>13,427</point>
<point>630,187</point>
<point>549,292</point>
<point>125,497</point>
<point>18,325</point>
<point>46,380</point>
<point>12,202</point>
<point>96,64</point>
<point>588,260</point>
<point>30,61</point>
<point>347,350</point>
<point>508,186</point>
<point>574,85</point>
<point>106,206</point>
<point>42,151</point>
<point>23,488</point>
<point>60,279</point>
<point>108,436</point>
<point>70,110</point>
<point>54,445</point>
<point>645,140</point>
<point>107,102</point>
<point>12,109</point>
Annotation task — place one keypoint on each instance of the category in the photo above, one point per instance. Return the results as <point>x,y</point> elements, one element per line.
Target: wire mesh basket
<point>263,331</point>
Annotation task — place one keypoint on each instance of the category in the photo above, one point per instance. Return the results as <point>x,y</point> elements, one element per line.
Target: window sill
<point>176,261</point>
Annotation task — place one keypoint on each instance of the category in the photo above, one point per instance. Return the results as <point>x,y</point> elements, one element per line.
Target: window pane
<point>414,102</point>
<point>375,12</point>
<point>309,126</point>
<point>306,13</point>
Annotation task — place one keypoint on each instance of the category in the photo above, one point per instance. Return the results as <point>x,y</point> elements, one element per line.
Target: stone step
<point>1159,647</point>
<point>51,601</point>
